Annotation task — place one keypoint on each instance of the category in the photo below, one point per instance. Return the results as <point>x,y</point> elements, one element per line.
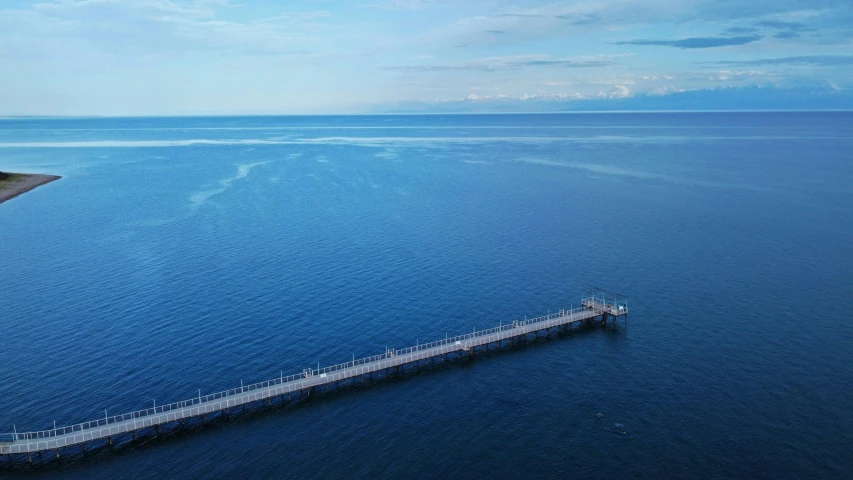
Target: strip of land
<point>14,184</point>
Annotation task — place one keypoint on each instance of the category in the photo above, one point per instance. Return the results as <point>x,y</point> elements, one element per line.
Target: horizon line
<point>388,114</point>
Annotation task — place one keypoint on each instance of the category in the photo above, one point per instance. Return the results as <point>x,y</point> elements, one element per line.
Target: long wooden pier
<point>104,430</point>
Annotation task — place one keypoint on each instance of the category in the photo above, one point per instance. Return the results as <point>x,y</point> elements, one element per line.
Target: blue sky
<point>163,57</point>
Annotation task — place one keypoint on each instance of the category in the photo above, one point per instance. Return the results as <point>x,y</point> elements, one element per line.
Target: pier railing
<point>200,399</point>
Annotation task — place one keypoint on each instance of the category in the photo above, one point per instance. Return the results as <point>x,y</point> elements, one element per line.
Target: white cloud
<point>668,90</point>
<point>619,91</point>
<point>163,26</point>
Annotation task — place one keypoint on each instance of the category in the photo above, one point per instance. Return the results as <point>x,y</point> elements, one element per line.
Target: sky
<point>198,57</point>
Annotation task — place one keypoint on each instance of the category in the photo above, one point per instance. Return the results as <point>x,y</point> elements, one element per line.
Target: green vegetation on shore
<point>7,178</point>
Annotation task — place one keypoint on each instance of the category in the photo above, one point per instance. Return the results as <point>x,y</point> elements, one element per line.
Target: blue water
<point>180,254</point>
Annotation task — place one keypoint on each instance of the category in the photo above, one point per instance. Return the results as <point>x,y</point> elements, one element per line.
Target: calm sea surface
<point>180,254</point>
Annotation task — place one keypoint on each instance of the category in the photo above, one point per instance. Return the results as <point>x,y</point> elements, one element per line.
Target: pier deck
<point>302,383</point>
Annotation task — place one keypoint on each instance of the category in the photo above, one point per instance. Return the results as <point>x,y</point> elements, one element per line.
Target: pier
<point>51,444</point>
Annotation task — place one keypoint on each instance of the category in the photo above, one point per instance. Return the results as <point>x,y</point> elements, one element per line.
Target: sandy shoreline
<point>22,183</point>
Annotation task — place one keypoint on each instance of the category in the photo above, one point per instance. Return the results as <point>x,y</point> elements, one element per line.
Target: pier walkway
<point>106,428</point>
